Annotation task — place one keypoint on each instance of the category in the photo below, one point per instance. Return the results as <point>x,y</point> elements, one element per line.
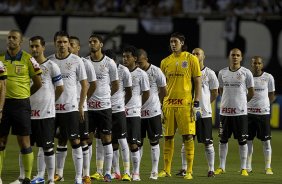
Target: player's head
<point>74,45</point>
<point>129,56</point>
<point>199,53</point>
<point>235,57</point>
<point>96,43</point>
<point>14,39</point>
<point>37,46</point>
<point>61,40</point>
<point>111,54</point>
<point>177,42</point>
<point>142,59</point>
<point>257,64</point>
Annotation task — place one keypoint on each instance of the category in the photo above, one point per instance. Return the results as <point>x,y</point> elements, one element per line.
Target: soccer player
<point>69,112</point>
<point>204,124</point>
<point>119,99</point>
<point>99,106</point>
<point>180,109</point>
<point>43,110</point>
<point>151,111</point>
<point>140,95</point>
<point>236,86</point>
<point>84,125</point>
<point>259,113</point>
<point>21,68</point>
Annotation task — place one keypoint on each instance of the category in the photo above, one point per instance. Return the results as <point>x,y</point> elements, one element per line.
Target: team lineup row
<point>75,99</point>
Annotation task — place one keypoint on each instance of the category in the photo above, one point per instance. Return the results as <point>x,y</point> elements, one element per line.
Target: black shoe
<point>211,174</point>
<point>181,172</point>
<point>26,181</point>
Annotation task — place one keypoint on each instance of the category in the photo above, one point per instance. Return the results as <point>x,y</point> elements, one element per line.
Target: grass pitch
<point>232,175</point>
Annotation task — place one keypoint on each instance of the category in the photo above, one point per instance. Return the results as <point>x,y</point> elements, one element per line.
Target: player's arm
<point>58,91</point>
<point>271,96</point>
<point>83,93</point>
<point>92,88</point>
<point>37,84</point>
<point>198,88</point>
<point>128,94</point>
<point>162,93</point>
<point>145,96</point>
<point>2,95</point>
<point>250,94</point>
<point>214,94</point>
<point>114,87</point>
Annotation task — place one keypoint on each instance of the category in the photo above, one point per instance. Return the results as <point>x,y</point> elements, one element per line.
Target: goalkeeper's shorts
<point>180,118</point>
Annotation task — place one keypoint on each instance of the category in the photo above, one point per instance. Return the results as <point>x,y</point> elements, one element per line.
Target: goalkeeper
<point>181,69</point>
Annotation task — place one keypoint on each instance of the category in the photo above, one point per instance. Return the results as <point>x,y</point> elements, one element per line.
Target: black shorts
<point>133,130</point>
<point>67,125</point>
<point>259,126</point>
<point>238,125</point>
<point>119,126</point>
<point>100,122</point>
<point>152,126</point>
<point>204,130</point>
<point>16,115</point>
<point>43,131</point>
<point>84,127</point>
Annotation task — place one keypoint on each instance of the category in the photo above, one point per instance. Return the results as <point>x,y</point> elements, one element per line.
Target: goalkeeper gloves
<point>197,110</point>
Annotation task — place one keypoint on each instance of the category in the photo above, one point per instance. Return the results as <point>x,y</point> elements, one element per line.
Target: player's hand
<point>197,112</point>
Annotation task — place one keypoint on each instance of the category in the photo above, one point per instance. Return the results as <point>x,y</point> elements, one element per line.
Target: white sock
<point>267,151</point>
<point>40,163</point>
<point>90,148</point>
<point>249,155</point>
<point>183,158</point>
<point>135,157</point>
<point>125,155</point>
<point>223,150</point>
<point>155,156</point>
<point>108,156</point>
<point>243,149</point>
<point>22,173</point>
<point>61,155</point>
<point>141,152</point>
<point>99,156</point>
<point>78,161</point>
<point>115,164</point>
<point>209,150</point>
<point>86,161</point>
<point>50,166</point>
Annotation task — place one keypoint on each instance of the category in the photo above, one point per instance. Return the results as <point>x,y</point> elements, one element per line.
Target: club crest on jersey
<point>68,66</point>
<point>239,76</point>
<point>18,69</point>
<point>184,64</point>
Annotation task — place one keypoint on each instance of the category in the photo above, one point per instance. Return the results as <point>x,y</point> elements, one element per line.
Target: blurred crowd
<point>142,8</point>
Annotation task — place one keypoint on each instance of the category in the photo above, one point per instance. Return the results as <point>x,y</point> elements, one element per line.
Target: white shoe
<point>136,177</point>
<point>154,176</point>
<point>17,181</point>
<point>1,181</point>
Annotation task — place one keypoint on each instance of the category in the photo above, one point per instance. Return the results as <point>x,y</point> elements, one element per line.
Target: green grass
<point>11,171</point>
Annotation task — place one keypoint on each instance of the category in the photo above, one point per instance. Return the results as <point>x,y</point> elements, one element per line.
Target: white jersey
<point>91,77</point>
<point>43,101</point>
<point>260,104</point>
<point>124,81</point>
<point>140,83</point>
<point>152,107</point>
<point>235,86</point>
<point>73,70</point>
<point>209,82</point>
<point>106,72</point>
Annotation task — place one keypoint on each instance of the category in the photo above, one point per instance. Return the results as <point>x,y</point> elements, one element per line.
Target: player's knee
<point>154,142</point>
<point>242,141</point>
<point>223,141</point>
<point>168,138</point>
<point>187,137</point>
<point>75,146</point>
<point>26,150</point>
<point>106,143</point>
<point>48,151</point>
<point>133,147</point>
<point>115,147</point>
<point>208,142</point>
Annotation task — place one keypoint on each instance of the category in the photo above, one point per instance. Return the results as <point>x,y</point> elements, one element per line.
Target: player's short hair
<point>61,33</point>
<point>141,52</point>
<point>178,35</point>
<point>42,41</point>
<point>99,37</point>
<point>111,54</point>
<point>257,57</point>
<point>75,38</point>
<point>17,31</point>
<point>132,49</point>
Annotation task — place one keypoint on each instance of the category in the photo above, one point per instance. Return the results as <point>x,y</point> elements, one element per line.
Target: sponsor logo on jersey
<point>95,104</point>
<point>175,101</point>
<point>145,113</point>
<point>229,110</point>
<point>257,110</point>
<point>184,64</point>
<point>60,107</point>
<point>35,113</point>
